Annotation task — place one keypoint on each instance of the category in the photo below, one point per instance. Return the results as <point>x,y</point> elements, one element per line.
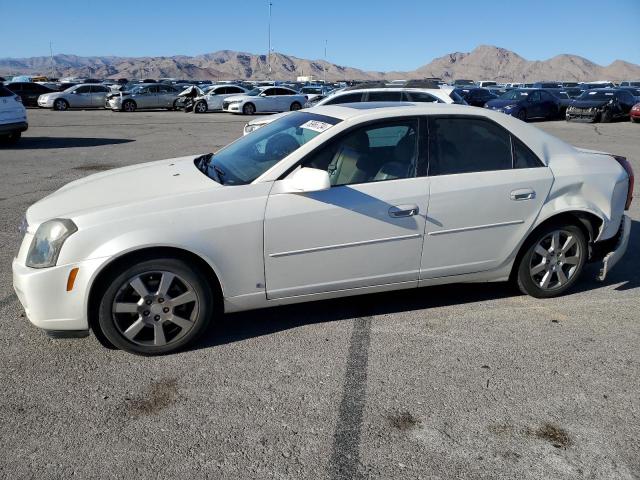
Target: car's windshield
<point>595,95</point>
<point>311,90</point>
<point>250,156</point>
<point>515,95</point>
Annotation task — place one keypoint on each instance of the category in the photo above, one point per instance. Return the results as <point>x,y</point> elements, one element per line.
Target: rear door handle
<point>403,211</point>
<point>523,194</point>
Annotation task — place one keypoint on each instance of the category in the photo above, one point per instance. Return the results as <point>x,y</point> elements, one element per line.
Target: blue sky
<point>372,34</point>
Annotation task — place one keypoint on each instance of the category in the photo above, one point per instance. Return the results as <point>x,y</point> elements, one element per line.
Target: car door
<point>98,95</point>
<point>549,105</point>
<point>266,102</point>
<point>166,96</point>
<point>486,190</point>
<point>283,99</point>
<point>534,105</point>
<point>366,230</point>
<point>81,97</point>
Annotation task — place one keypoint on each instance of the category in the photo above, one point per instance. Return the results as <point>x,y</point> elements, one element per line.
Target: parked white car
<point>13,116</point>
<point>265,99</point>
<point>85,95</point>
<point>323,203</point>
<point>386,94</point>
<point>213,98</point>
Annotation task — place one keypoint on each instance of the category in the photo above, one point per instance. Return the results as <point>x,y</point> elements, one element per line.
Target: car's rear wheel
<point>155,307</point>
<point>249,109</point>
<point>60,105</point>
<point>295,106</point>
<point>605,116</point>
<point>553,261</point>
<point>129,106</point>
<point>522,115</point>
<point>200,107</point>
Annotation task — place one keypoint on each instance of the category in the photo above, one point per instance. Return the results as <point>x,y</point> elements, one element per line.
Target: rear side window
<point>384,96</point>
<point>420,97</point>
<point>523,157</point>
<point>5,92</point>
<point>463,145</point>
<point>346,98</point>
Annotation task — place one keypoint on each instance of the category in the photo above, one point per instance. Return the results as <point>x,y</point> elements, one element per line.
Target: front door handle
<point>403,211</point>
<point>523,194</point>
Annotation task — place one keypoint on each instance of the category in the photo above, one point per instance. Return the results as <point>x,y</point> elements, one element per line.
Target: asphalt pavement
<point>462,381</point>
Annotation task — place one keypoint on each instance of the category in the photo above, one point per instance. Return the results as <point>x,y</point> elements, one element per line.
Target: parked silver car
<point>144,96</point>
<point>84,95</point>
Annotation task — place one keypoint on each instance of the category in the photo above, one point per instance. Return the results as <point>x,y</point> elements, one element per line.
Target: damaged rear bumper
<point>612,257</point>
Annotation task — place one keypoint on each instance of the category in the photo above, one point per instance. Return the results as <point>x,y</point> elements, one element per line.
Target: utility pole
<point>269,50</point>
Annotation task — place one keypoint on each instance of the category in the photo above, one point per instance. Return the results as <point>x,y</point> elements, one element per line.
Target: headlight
<point>48,241</point>
<point>231,102</point>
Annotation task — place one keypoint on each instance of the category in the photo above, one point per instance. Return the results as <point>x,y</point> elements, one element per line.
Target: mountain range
<point>483,63</point>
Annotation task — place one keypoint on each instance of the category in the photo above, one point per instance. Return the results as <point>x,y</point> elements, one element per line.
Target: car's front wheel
<point>129,106</point>
<point>522,115</point>
<point>553,261</point>
<point>156,306</point>
<point>249,109</point>
<point>200,107</point>
<point>295,106</point>
<point>61,105</point>
<point>605,116</point>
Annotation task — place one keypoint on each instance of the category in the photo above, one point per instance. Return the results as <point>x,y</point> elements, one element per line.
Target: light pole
<point>51,56</point>
<point>324,80</point>
<point>269,49</point>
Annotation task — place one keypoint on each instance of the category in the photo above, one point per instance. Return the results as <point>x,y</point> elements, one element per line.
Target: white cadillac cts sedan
<point>327,202</point>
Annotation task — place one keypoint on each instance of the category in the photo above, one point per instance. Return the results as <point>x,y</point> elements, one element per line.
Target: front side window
<point>535,97</point>
<point>83,89</point>
<point>463,145</point>
<point>284,91</point>
<point>250,156</point>
<point>270,92</point>
<point>378,152</point>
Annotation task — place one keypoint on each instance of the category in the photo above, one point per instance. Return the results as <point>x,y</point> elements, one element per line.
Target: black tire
<point>151,271</point>
<point>528,282</point>
<point>634,120</point>
<point>522,115</point>
<point>295,106</point>
<point>249,109</point>
<point>129,106</point>
<point>60,105</point>
<point>605,116</point>
<point>200,107</point>
<point>175,107</point>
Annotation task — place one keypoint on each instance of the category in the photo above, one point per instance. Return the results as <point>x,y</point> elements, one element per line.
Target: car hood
<point>589,103</point>
<point>53,94</point>
<point>135,188</point>
<point>501,103</point>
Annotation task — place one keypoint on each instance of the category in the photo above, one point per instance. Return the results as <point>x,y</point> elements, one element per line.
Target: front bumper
<point>231,107</point>
<point>45,103</point>
<point>582,115</point>
<point>13,127</point>
<point>611,258</point>
<point>44,296</point>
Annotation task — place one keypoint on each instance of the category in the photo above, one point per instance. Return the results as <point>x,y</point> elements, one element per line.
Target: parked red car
<point>634,113</point>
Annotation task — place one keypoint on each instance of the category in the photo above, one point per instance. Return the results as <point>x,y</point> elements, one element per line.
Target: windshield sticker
<point>316,126</point>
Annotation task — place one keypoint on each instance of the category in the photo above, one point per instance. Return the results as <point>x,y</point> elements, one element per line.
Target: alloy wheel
<point>155,308</point>
<point>555,260</point>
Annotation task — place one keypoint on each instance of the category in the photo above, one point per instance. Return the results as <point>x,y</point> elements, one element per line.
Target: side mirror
<point>263,94</point>
<point>307,180</point>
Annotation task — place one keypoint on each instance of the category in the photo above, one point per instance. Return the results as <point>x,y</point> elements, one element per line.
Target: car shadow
<point>63,142</point>
<point>236,327</point>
